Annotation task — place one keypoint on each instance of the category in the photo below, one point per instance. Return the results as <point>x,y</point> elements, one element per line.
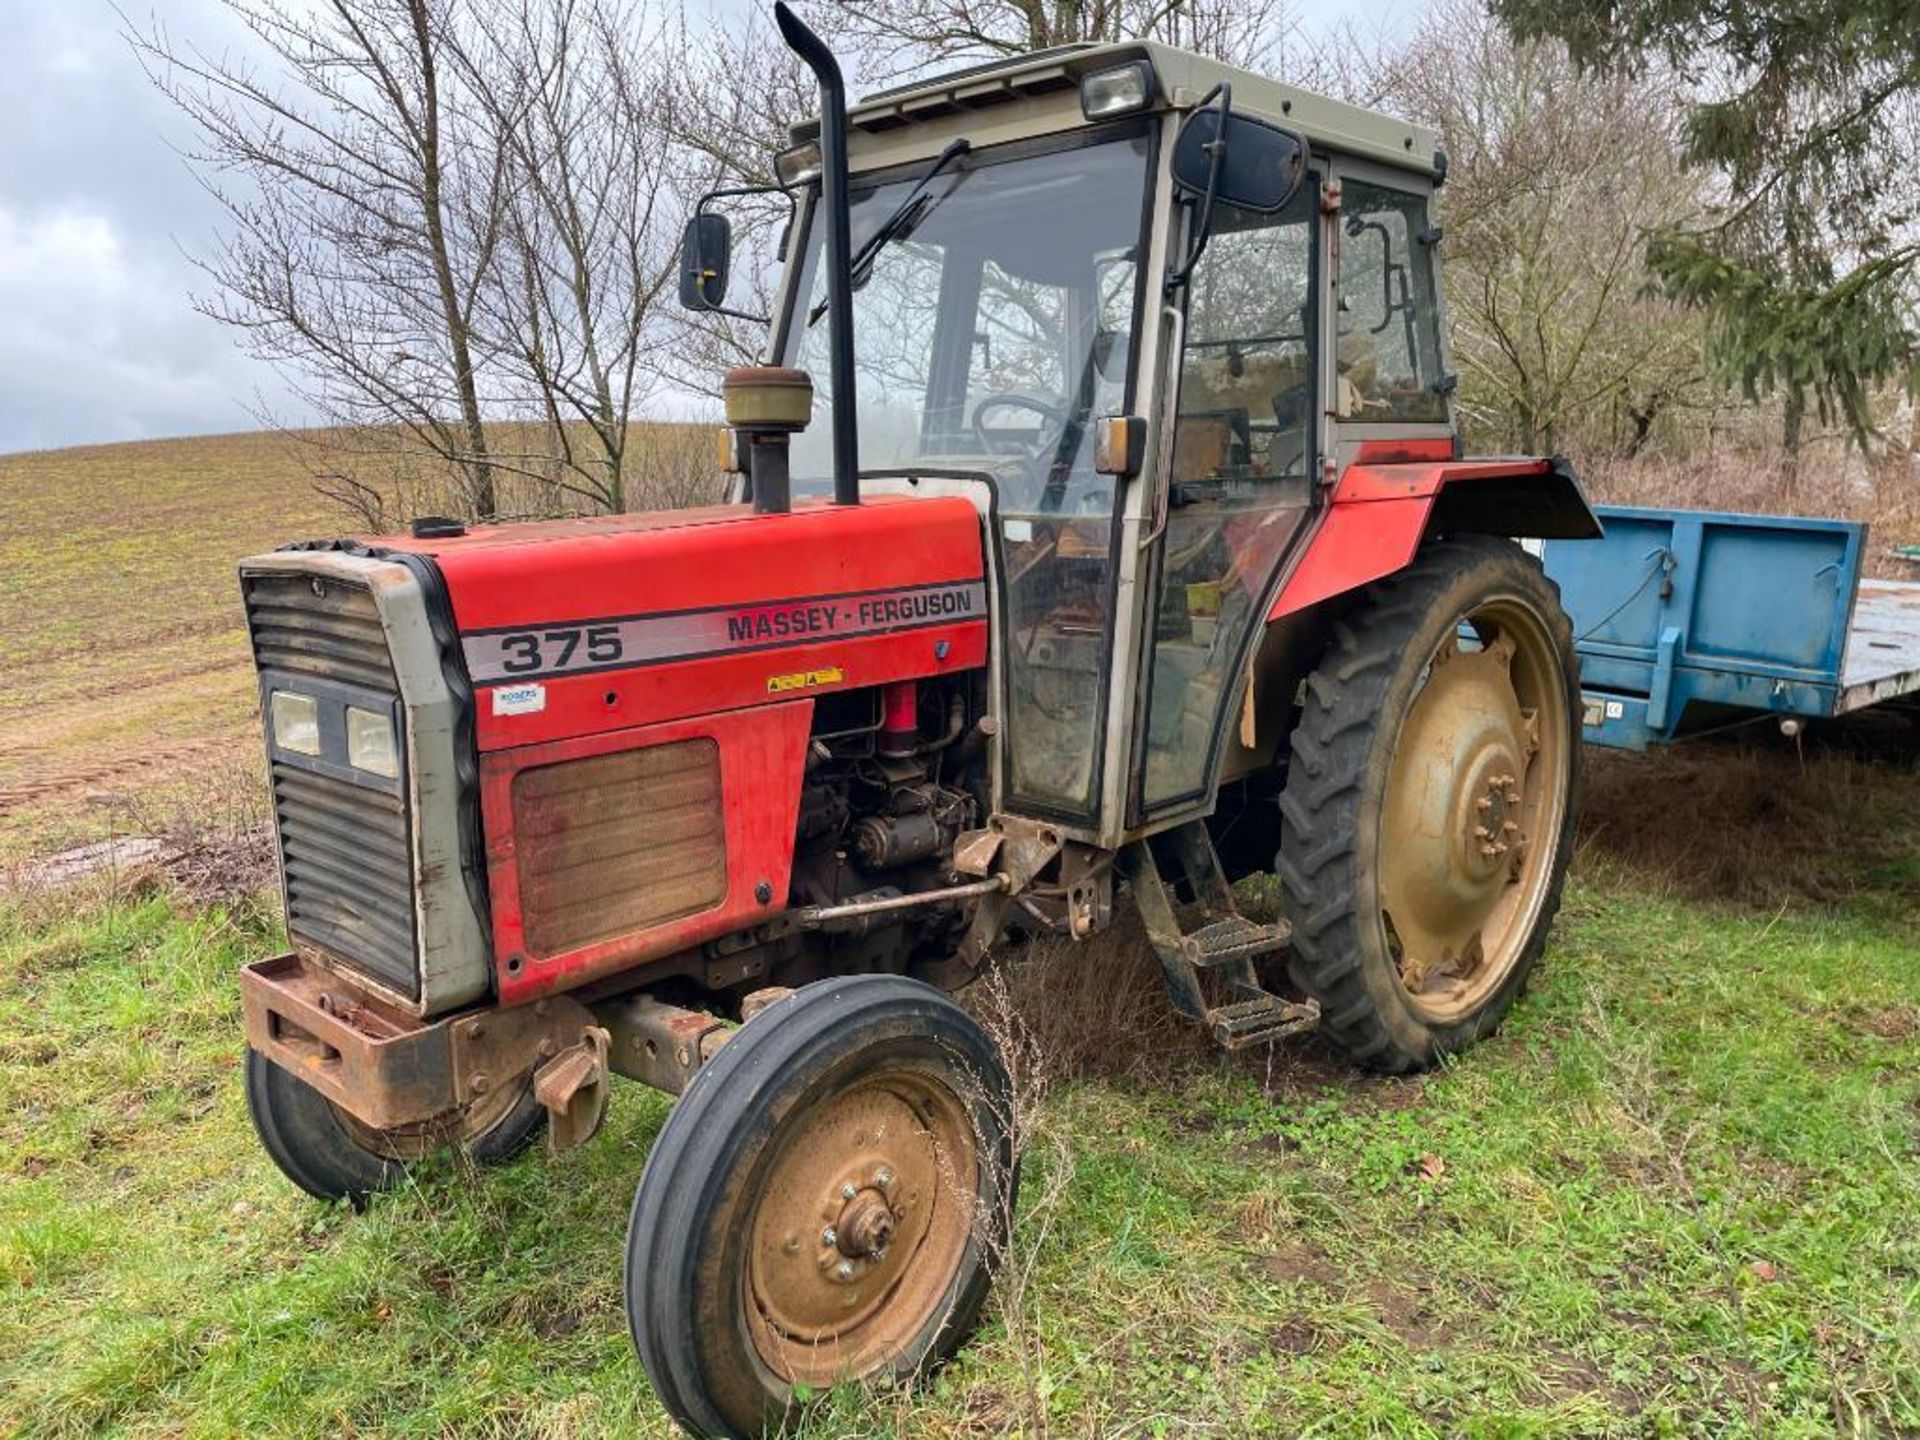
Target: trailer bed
<point>1687,620</point>
<point>1883,645</point>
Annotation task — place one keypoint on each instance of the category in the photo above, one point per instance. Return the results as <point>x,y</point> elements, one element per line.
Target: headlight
<point>1119,91</point>
<point>370,744</point>
<point>798,165</point>
<point>296,722</point>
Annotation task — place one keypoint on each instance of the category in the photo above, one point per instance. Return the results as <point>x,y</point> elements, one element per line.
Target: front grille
<point>346,849</point>
<point>616,844</point>
<point>318,627</point>
<point>345,857</point>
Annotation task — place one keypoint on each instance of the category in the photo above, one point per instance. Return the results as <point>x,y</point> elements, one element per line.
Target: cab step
<point>1265,1018</point>
<point>1230,938</point>
<point>1236,1009</point>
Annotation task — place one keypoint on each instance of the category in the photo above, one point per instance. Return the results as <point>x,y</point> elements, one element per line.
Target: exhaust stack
<point>838,251</point>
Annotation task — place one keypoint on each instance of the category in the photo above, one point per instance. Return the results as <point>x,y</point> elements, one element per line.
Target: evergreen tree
<point>1808,110</point>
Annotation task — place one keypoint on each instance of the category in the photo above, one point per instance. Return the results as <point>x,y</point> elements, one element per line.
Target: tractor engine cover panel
<point>643,688</point>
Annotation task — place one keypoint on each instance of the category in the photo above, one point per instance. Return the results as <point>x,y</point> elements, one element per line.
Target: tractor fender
<point>1379,513</point>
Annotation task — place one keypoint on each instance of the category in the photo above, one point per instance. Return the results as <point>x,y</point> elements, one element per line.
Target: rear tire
<point>1434,772</point>
<point>331,1156</point>
<point>825,1202</point>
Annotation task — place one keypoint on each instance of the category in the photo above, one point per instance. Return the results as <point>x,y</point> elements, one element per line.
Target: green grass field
<point>1675,1196</point>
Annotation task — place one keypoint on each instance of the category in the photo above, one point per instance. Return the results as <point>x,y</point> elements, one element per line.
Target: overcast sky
<point>98,214</point>
<point>98,338</point>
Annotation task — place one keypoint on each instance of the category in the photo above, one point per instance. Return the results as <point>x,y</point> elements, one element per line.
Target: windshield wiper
<point>904,220</point>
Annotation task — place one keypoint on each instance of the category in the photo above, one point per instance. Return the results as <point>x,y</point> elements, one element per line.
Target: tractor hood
<point>573,627</point>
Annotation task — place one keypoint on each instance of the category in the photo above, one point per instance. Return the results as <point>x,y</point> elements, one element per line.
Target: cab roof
<point>964,99</point>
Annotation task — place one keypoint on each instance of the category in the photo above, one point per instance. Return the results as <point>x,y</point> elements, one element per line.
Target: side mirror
<point>1260,168</point>
<point>706,251</point>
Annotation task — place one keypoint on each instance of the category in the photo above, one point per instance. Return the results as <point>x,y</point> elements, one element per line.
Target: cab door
<point>1245,454</point>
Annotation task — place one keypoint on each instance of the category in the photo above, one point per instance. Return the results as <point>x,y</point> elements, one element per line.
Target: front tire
<point>824,1203</point>
<point>1427,818</point>
<point>332,1156</point>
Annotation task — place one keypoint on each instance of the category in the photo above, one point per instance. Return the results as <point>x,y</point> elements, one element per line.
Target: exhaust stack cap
<point>763,398</point>
<point>766,405</point>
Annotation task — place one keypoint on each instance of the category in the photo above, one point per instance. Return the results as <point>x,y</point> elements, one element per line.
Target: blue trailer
<point>1688,620</point>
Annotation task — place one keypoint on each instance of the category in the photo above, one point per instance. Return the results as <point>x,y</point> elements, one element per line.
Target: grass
<point>1674,1196</point>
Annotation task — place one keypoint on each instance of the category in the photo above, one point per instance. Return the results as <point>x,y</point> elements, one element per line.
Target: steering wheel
<point>1012,400</point>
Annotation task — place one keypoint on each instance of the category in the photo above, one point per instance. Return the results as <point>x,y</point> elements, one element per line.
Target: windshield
<point>994,323</point>
<point>991,327</point>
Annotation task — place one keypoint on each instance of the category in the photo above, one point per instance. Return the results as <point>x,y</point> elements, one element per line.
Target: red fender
<point>1378,514</point>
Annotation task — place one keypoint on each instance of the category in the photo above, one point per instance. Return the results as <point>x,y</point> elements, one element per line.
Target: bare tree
<point>568,92</point>
<point>450,223</point>
<point>904,37</point>
<point>363,221</point>
<point>1557,177</point>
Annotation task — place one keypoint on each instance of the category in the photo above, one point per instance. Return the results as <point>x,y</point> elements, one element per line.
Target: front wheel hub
<point>861,1228</point>
<point>866,1225</point>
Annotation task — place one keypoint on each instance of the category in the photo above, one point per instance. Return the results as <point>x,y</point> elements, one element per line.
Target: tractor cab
<point>1141,307</point>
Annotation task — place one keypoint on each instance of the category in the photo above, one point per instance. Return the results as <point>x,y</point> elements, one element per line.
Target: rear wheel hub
<point>1471,782</point>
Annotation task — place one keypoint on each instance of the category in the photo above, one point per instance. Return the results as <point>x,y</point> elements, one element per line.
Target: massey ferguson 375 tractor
<point>1101,531</point>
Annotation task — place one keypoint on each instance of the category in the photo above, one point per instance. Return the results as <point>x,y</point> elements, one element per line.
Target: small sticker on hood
<point>519,699</point>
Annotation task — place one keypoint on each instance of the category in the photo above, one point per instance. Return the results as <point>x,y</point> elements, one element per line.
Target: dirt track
<point>107,778</point>
<point>64,776</point>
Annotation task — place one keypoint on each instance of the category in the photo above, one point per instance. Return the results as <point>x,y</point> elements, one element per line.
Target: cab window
<point>1387,346</point>
<point>1246,381</point>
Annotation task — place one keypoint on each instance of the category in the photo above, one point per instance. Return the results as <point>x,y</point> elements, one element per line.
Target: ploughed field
<point>123,652</point>
<point>1678,1194</point>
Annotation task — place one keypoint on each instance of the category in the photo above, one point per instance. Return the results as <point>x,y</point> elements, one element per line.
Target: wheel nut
<point>883,1177</point>
<point>847,1191</point>
<point>829,1236</point>
<point>845,1270</point>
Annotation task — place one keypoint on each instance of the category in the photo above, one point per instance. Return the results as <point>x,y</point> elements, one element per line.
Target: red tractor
<point>1101,530</point>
